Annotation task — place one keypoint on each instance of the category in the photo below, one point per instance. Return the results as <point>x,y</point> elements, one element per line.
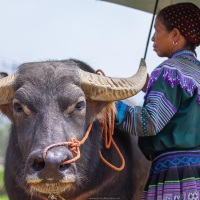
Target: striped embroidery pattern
<point>150,120</point>
<point>159,109</point>
<point>128,124</point>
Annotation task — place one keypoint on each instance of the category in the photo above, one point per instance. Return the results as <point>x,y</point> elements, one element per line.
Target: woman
<point>168,124</point>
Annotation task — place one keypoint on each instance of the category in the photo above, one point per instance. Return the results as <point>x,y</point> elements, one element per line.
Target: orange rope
<point>74,144</point>
<point>108,130</point>
<point>99,72</point>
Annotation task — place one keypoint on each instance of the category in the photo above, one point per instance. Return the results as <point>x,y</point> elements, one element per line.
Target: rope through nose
<point>73,146</point>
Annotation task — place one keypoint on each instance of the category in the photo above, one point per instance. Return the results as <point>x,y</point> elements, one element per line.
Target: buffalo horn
<point>103,88</point>
<point>6,89</point>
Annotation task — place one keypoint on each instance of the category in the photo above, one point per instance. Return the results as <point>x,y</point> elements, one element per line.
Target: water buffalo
<point>53,105</point>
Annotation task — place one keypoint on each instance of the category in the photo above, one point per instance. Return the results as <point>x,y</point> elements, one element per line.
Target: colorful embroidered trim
<point>172,190</point>
<point>182,69</point>
<point>138,122</point>
<point>174,176</point>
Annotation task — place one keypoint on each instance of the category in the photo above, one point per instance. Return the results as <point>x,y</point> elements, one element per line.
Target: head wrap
<point>186,18</point>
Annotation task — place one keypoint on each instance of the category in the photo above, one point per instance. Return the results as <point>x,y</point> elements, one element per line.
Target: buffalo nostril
<point>64,167</point>
<point>38,165</point>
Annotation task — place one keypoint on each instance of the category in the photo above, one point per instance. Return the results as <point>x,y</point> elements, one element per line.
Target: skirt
<point>174,175</point>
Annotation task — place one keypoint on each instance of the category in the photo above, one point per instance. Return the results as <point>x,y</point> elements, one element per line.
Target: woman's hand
<point>120,112</point>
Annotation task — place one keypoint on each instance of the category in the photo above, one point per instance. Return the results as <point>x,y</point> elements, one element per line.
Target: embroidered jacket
<point>171,110</point>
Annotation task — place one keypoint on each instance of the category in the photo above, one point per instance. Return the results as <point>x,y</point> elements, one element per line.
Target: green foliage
<point>4,134</point>
<point>3,195</point>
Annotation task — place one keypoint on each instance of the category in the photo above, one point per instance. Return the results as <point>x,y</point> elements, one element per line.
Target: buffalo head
<point>50,103</point>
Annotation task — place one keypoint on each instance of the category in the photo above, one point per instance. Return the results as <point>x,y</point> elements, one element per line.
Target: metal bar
<point>150,30</point>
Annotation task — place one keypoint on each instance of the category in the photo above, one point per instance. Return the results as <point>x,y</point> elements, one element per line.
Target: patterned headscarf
<point>186,18</point>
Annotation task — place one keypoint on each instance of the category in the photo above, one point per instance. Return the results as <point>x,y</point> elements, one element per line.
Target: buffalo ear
<point>6,109</point>
<point>98,109</point>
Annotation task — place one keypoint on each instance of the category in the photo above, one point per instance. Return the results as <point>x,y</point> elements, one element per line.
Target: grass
<point>3,195</point>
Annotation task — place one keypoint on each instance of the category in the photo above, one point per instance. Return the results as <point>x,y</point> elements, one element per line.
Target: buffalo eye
<point>21,108</point>
<point>17,107</point>
<point>80,105</point>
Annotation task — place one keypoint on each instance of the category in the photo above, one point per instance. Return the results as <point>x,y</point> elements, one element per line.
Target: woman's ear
<point>175,34</point>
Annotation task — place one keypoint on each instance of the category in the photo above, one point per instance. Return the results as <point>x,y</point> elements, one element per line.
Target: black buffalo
<point>52,102</point>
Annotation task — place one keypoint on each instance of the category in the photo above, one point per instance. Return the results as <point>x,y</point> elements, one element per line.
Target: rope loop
<point>108,129</point>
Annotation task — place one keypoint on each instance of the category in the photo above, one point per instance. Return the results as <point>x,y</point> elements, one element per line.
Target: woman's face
<point>163,41</point>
